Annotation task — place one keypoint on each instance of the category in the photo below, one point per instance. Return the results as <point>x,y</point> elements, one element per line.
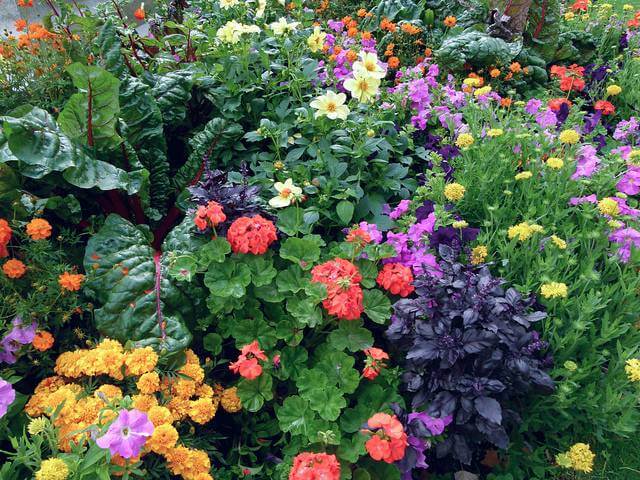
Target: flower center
<point>331,107</point>
<point>285,193</point>
<point>364,86</point>
<point>125,432</point>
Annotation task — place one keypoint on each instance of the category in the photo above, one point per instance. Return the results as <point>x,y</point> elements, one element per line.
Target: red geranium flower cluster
<point>344,294</point>
<point>375,362</point>
<point>210,215</point>
<point>251,235</point>
<point>580,5</point>
<point>396,278</point>
<point>388,440</point>
<point>635,21</point>
<point>570,77</point>
<point>247,364</point>
<point>605,107</point>
<point>359,237</point>
<point>315,466</point>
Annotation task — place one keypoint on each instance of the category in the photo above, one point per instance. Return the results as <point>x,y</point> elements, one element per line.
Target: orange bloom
<point>251,235</point>
<point>396,278</point>
<point>352,32</point>
<point>505,102</point>
<point>495,72</point>
<point>515,67</point>
<point>427,52</point>
<point>366,35</point>
<point>362,12</point>
<point>70,281</point>
<point>20,24</point>
<point>25,3</point>
<point>43,341</point>
<point>5,237</point>
<point>410,29</point>
<point>393,62</point>
<point>351,56</point>
<point>605,107</point>
<point>14,268</point>
<point>450,21</point>
<point>38,229</point>
<point>139,13</point>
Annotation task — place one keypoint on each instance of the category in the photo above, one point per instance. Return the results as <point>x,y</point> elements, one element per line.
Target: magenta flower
<point>127,434</point>
<point>7,396</point>
<point>579,200</point>
<point>630,182</point>
<point>587,162</point>
<point>19,335</point>
<point>626,238</point>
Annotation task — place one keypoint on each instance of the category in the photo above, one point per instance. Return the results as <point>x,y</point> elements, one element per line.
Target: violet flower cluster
<point>19,335</point>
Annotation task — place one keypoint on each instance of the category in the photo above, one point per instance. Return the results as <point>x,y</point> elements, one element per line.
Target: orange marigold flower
<point>14,268</point>
<point>366,35</point>
<point>494,73</point>
<point>139,13</point>
<point>505,102</point>
<point>515,67</point>
<point>251,235</point>
<point>393,62</point>
<point>427,52</point>
<point>43,341</point>
<point>351,56</point>
<point>396,278</point>
<point>450,21</point>
<point>362,12</point>
<point>20,24</point>
<point>5,235</point>
<point>352,32</point>
<point>25,3</point>
<point>163,439</point>
<point>71,281</point>
<point>38,229</point>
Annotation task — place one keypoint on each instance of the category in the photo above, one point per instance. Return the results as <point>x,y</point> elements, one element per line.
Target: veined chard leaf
<point>109,45</point>
<point>35,146</point>
<point>173,92</point>
<point>139,301</point>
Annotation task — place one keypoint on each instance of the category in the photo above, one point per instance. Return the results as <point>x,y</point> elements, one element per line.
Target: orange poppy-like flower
<point>70,281</point>
<point>450,21</point>
<point>20,24</point>
<point>14,268</point>
<point>139,13</point>
<point>362,12</point>
<point>393,62</point>
<point>43,341</point>
<point>351,56</point>
<point>505,102</point>
<point>38,229</point>
<point>352,32</point>
<point>5,237</point>
<point>410,29</point>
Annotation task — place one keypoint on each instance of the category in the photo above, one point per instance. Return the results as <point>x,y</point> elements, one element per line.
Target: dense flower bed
<point>320,240</point>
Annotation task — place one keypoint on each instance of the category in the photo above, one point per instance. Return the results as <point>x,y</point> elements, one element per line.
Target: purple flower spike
<point>7,396</point>
<point>128,434</point>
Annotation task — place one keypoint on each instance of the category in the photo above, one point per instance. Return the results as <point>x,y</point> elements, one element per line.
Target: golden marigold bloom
<point>495,132</point>
<point>163,439</point>
<point>632,367</point>
<point>141,360</point>
<point>478,254</point>
<point>554,290</point>
<point>494,73</point>
<point>149,383</point>
<point>144,402</point>
<point>70,281</point>
<point>38,229</point>
<point>108,391</point>
<point>569,136</point>
<point>202,410</point>
<point>581,457</point>
<point>43,341</point>
<point>5,234</point>
<point>52,469</point>
<point>450,21</point>
<point>454,192</point>
<point>608,206</point>
<point>230,400</point>
<point>193,371</point>
<point>523,231</point>
<point>613,90</point>
<point>159,415</point>
<point>555,163</point>
<point>183,388</point>
<point>188,462</point>
<point>515,67</point>
<point>464,140</point>
<point>14,268</point>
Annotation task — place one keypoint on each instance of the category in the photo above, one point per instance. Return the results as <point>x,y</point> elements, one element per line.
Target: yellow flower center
<point>331,107</point>
<point>285,192</point>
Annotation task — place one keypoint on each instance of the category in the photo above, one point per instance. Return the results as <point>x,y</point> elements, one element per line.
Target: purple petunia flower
<point>587,162</point>
<point>417,230</point>
<point>18,336</point>
<point>546,118</point>
<point>630,182</point>
<point>579,200</point>
<point>401,209</point>
<point>7,396</point>
<point>625,129</point>
<point>626,238</point>
<point>624,208</point>
<point>127,434</point>
<point>533,106</point>
<point>372,230</point>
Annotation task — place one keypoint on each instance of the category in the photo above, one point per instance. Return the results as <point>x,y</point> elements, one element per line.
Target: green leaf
<point>246,330</point>
<point>351,447</point>
<point>291,223</point>
<point>301,251</point>
<point>305,311</point>
<point>293,361</point>
<point>109,45</point>
<point>369,272</point>
<point>289,330</point>
<point>327,401</point>
<point>350,335</point>
<point>229,279</point>
<point>345,209</point>
<point>214,251</point>
<point>253,393</point>
<point>172,91</point>
<point>90,116</point>
<point>291,279</point>
<point>139,302</point>
<point>377,306</point>
<point>269,293</point>
<point>38,146</point>
<point>262,269</point>
<point>212,342</point>
<point>295,416</point>
<point>338,367</point>
<point>311,379</point>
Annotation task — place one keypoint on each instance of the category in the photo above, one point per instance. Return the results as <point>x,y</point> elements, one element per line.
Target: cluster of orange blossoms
<point>182,398</point>
<point>397,279</point>
<point>344,294</point>
<point>251,235</point>
<point>210,215</point>
<point>388,439</point>
<point>375,362</point>
<point>248,365</point>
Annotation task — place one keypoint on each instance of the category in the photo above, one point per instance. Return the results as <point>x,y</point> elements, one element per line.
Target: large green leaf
<point>172,91</point>
<point>109,45</point>
<point>38,147</point>
<point>253,393</point>
<point>90,116</point>
<point>139,301</point>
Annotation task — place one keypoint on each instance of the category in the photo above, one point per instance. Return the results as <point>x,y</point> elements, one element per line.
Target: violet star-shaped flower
<point>127,434</point>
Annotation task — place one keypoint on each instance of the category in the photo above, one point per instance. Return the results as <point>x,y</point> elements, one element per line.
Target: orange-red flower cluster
<point>70,281</point>
<point>359,237</point>
<point>580,5</point>
<point>396,278</point>
<point>556,103</point>
<point>43,341</point>
<point>209,215</point>
<point>605,107</point>
<point>375,362</point>
<point>635,21</point>
<point>344,294</point>
<point>247,364</point>
<point>387,25</point>
<point>5,237</point>
<point>388,440</point>
<point>14,268</point>
<point>570,77</point>
<point>38,229</point>
<point>315,466</point>
<point>251,235</point>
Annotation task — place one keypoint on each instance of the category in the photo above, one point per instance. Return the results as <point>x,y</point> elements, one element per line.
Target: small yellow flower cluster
<point>523,231</point>
<point>478,254</point>
<point>494,132</point>
<point>523,175</point>
<point>464,140</point>
<point>454,192</point>
<point>554,290</point>
<point>555,163</point>
<point>460,224</point>
<point>482,91</point>
<point>632,368</point>
<point>579,458</point>
<point>569,137</point>
<point>558,242</point>
<point>53,469</point>
<point>608,206</point>
<point>184,396</point>
<point>613,90</point>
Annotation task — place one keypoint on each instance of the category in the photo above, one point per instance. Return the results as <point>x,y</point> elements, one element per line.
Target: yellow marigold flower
<point>554,290</point>
<point>230,400</point>
<point>193,371</point>
<point>179,408</point>
<point>460,224</point>
<point>482,91</point>
<point>569,16</point>
<point>144,402</point>
<point>495,132</point>
<point>581,457</point>
<point>614,90</point>
<point>608,206</point>
<point>109,391</point>
<point>555,163</point>
<point>569,136</point>
<point>159,415</point>
<point>464,140</point>
<point>524,175</point>
<point>109,344</point>
<point>141,360</point>
<point>615,224</point>
<point>184,388</point>
<point>163,439</point>
<point>149,383</point>
<point>204,391</point>
<point>37,425</point>
<point>202,410</point>
<point>558,242</point>
<point>478,254</point>
<point>53,469</point>
<point>632,367</point>
<point>454,192</point>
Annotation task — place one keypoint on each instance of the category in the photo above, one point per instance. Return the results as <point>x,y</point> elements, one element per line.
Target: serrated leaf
<point>377,306</point>
<point>305,311</point>
<point>253,393</point>
<point>327,401</point>
<point>304,252</point>
<point>350,335</point>
<point>228,279</point>
<point>294,415</point>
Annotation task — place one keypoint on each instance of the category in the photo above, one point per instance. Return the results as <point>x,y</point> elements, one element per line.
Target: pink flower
<point>630,182</point>
<point>587,162</point>
<point>579,200</point>
<point>127,434</point>
<point>626,238</point>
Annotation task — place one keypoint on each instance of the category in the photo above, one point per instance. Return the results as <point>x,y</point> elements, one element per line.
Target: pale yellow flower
<point>368,66</point>
<point>363,88</point>
<point>330,105</point>
<point>282,27</point>
<point>287,194</point>
<point>316,39</point>
<point>224,4</point>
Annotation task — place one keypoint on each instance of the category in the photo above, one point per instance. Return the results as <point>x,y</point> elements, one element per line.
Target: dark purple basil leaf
<point>489,408</point>
<point>461,450</point>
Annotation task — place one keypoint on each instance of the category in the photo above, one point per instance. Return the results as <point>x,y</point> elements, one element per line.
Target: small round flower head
<point>494,132</point>
<point>555,163</point>
<point>478,254</point>
<point>14,268</point>
<point>569,137</point>
<point>581,457</point>
<point>608,206</point>
<point>37,425</point>
<point>570,365</point>
<point>558,242</point>
<point>454,192</point>
<point>613,90</point>
<point>53,469</point>
<point>38,229</point>
<point>524,175</point>
<point>554,290</point>
<point>464,140</point>
<point>632,368</point>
